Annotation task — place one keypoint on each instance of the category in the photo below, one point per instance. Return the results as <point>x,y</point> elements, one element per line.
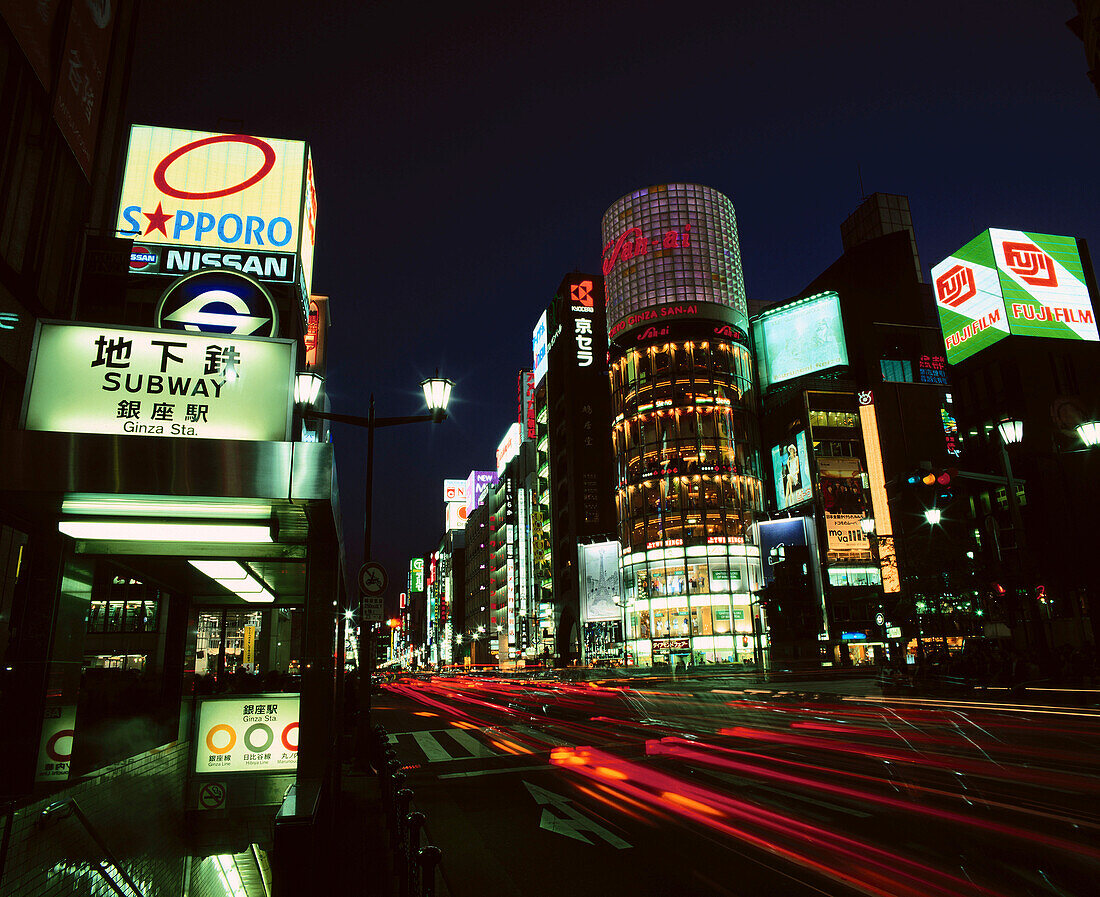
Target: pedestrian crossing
<point>445,745</point>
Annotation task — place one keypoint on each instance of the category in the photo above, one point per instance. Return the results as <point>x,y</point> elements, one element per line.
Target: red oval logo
<point>161,181</point>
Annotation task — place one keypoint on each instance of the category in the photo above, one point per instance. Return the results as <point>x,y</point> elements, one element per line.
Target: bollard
<point>401,809</point>
<point>414,824</point>
<point>428,858</point>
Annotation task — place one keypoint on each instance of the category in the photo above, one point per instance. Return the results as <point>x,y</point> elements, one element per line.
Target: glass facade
<point>689,487</point>
<point>672,243</point>
<point>684,432</point>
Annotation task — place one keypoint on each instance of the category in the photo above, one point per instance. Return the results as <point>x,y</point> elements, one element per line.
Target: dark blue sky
<point>465,153</point>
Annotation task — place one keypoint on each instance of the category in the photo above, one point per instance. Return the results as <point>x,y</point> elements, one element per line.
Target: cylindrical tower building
<point>683,405</point>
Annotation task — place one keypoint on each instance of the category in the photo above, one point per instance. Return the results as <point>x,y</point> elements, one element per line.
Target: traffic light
<point>937,482</point>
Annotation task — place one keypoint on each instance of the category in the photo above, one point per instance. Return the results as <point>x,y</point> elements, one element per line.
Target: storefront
<point>143,570</point>
<point>691,605</point>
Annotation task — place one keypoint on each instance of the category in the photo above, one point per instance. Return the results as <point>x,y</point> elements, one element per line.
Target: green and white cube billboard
<point>1011,282</point>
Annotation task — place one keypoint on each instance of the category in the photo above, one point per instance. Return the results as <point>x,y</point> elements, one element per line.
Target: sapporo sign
<point>89,378</point>
<point>219,191</point>
<point>250,733</point>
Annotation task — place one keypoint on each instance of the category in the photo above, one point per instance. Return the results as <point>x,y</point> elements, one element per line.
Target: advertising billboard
<point>1012,282</point>
<point>775,536</point>
<point>1043,282</point>
<point>250,733</point>
<point>525,401</point>
<point>669,247</point>
<point>455,517</point>
<point>539,348</point>
<point>222,191</point>
<point>91,378</point>
<point>791,472</point>
<point>454,490</point>
<point>509,447</point>
<point>841,486</point>
<point>477,485</point>
<point>599,578</point>
<point>799,338</point>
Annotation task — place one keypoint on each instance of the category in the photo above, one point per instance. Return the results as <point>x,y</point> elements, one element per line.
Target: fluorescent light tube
<point>165,531</point>
<point>220,570</point>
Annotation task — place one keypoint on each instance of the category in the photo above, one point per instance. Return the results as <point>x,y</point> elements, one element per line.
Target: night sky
<point>465,153</point>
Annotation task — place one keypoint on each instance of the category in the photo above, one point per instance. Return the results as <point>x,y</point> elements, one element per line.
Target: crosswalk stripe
<point>432,749</point>
<point>471,744</point>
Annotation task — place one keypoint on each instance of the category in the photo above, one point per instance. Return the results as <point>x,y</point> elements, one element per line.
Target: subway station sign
<point>91,378</point>
<point>1010,282</point>
<point>249,733</point>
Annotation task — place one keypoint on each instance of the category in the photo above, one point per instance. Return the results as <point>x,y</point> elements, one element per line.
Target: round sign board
<point>212,796</point>
<point>372,579</point>
<point>880,619</point>
<point>218,300</point>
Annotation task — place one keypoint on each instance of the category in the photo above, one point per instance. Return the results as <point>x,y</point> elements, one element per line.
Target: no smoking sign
<point>212,796</point>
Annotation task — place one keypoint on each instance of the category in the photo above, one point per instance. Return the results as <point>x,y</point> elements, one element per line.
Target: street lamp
<point>437,394</point>
<point>933,515</point>
<point>1089,432</point>
<point>867,524</point>
<point>1011,430</point>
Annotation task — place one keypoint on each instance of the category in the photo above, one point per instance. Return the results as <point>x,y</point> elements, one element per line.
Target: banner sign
<point>92,378</point>
<point>248,733</point>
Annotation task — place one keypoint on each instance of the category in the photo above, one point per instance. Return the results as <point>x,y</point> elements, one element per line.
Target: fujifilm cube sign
<point>1011,282</point>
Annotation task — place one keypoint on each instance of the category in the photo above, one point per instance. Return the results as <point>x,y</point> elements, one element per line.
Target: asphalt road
<point>717,788</point>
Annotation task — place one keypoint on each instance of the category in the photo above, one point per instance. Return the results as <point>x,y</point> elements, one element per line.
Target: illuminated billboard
<point>223,191</point>
<point>791,470</point>
<point>455,517</point>
<point>1012,282</point>
<point>477,485</point>
<point>670,251</point>
<point>599,577</point>
<point>509,446</point>
<point>454,490</point>
<point>841,486</point>
<point>539,348</point>
<point>91,378</point>
<point>799,338</point>
<point>254,733</point>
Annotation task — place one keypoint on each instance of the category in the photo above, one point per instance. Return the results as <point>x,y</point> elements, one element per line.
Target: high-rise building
<point>571,501</point>
<point>683,413</point>
<point>878,215</point>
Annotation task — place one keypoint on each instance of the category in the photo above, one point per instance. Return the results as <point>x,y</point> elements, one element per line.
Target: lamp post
<point>1011,431</point>
<point>437,395</point>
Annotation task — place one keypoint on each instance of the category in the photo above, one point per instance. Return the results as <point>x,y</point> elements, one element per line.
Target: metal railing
<point>414,864</point>
<point>62,810</point>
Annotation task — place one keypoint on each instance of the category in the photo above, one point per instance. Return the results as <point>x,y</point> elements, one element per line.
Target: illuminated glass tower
<point>683,404</point>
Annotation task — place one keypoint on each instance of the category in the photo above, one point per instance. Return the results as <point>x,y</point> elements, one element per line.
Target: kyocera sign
<point>1010,282</point>
<point>223,191</point>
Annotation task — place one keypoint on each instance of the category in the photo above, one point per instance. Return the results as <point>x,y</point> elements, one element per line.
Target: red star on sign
<point>157,220</point>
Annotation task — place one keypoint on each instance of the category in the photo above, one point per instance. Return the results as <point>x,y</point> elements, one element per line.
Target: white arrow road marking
<point>576,822</point>
<point>191,314</point>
